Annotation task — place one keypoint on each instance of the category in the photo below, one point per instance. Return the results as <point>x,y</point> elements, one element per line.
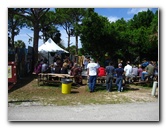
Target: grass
<point>50,94</point>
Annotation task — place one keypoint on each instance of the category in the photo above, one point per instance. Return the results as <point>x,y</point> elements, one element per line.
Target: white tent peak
<point>50,46</point>
<point>50,40</point>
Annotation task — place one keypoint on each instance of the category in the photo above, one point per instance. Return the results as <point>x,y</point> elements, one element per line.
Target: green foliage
<point>15,23</point>
<point>96,35</point>
<point>69,19</point>
<point>122,39</point>
<point>19,44</point>
<point>49,29</point>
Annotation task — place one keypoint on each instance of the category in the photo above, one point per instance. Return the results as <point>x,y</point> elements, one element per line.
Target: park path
<point>147,111</point>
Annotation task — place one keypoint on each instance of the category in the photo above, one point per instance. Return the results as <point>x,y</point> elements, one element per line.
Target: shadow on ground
<point>100,87</point>
<point>21,83</point>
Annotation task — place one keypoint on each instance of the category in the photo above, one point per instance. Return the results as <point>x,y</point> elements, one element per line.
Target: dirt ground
<point>27,90</point>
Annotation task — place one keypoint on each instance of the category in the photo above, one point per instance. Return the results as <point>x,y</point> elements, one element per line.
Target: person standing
<point>100,73</point>
<point>85,63</point>
<point>110,70</point>
<point>119,79</point>
<point>92,68</point>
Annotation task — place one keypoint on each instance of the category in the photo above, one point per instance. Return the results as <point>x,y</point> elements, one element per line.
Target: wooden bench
<point>102,79</point>
<point>148,79</point>
<point>50,77</point>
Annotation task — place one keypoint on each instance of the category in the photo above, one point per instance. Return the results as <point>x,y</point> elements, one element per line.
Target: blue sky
<point>112,14</point>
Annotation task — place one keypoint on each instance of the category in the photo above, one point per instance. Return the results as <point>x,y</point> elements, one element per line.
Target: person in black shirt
<point>119,79</point>
<point>110,70</point>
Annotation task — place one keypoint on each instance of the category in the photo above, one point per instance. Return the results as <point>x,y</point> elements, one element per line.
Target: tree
<point>19,44</point>
<point>49,29</point>
<point>69,19</point>
<point>77,15</point>
<point>144,28</point>
<point>33,17</point>
<point>127,40</point>
<point>98,36</point>
<point>15,23</point>
<point>64,19</point>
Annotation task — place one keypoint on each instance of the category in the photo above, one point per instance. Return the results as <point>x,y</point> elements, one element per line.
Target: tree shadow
<point>20,83</point>
<point>53,84</point>
<point>74,92</point>
<point>101,87</point>
<point>20,101</point>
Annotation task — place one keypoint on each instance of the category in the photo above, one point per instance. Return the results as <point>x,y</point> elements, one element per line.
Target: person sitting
<point>57,69</point>
<point>38,67</point>
<point>134,73</point>
<point>148,72</point>
<point>145,63</point>
<point>139,70</point>
<point>155,71</point>
<point>76,72</point>
<point>44,68</point>
<point>64,69</point>
<point>52,67</point>
<point>128,72</point>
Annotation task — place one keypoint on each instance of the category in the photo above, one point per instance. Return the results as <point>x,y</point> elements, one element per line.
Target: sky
<point>112,14</point>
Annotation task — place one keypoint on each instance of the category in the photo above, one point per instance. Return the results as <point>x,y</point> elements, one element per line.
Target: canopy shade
<point>50,46</point>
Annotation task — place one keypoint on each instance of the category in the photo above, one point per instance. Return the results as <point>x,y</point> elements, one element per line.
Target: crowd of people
<point>59,66</point>
<point>146,70</point>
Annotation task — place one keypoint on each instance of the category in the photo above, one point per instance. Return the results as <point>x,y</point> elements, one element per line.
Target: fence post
<point>155,83</point>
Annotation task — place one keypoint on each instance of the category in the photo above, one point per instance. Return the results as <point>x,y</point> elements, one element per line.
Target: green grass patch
<point>52,94</point>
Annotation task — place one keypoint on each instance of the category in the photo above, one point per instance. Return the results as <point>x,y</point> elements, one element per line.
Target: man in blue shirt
<point>119,79</point>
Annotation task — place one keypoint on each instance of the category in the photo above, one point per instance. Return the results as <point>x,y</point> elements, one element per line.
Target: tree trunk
<point>76,45</point>
<point>12,37</point>
<point>68,41</point>
<point>35,44</point>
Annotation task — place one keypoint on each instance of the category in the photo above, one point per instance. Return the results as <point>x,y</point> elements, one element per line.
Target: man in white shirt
<point>128,71</point>
<point>92,74</point>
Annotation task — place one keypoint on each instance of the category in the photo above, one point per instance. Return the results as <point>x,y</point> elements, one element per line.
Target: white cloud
<point>136,10</point>
<point>113,18</point>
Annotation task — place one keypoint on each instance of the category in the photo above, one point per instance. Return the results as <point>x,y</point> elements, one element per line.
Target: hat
<point>120,65</point>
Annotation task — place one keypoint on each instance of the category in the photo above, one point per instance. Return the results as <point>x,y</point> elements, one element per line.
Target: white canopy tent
<point>48,47</point>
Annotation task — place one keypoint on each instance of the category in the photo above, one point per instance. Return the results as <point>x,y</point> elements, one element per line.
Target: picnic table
<point>49,77</point>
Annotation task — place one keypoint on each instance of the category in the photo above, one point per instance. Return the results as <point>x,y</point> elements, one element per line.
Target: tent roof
<point>50,46</point>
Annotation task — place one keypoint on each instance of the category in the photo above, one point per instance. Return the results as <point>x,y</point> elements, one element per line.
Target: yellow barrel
<point>66,86</point>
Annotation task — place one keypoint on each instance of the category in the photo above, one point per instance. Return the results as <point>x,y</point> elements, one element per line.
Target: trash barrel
<point>66,86</point>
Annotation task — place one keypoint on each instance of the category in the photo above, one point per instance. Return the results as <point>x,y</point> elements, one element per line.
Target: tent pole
<point>48,58</point>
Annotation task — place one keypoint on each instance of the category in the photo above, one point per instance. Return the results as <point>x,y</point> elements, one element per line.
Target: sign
<point>12,76</point>
<point>9,71</point>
